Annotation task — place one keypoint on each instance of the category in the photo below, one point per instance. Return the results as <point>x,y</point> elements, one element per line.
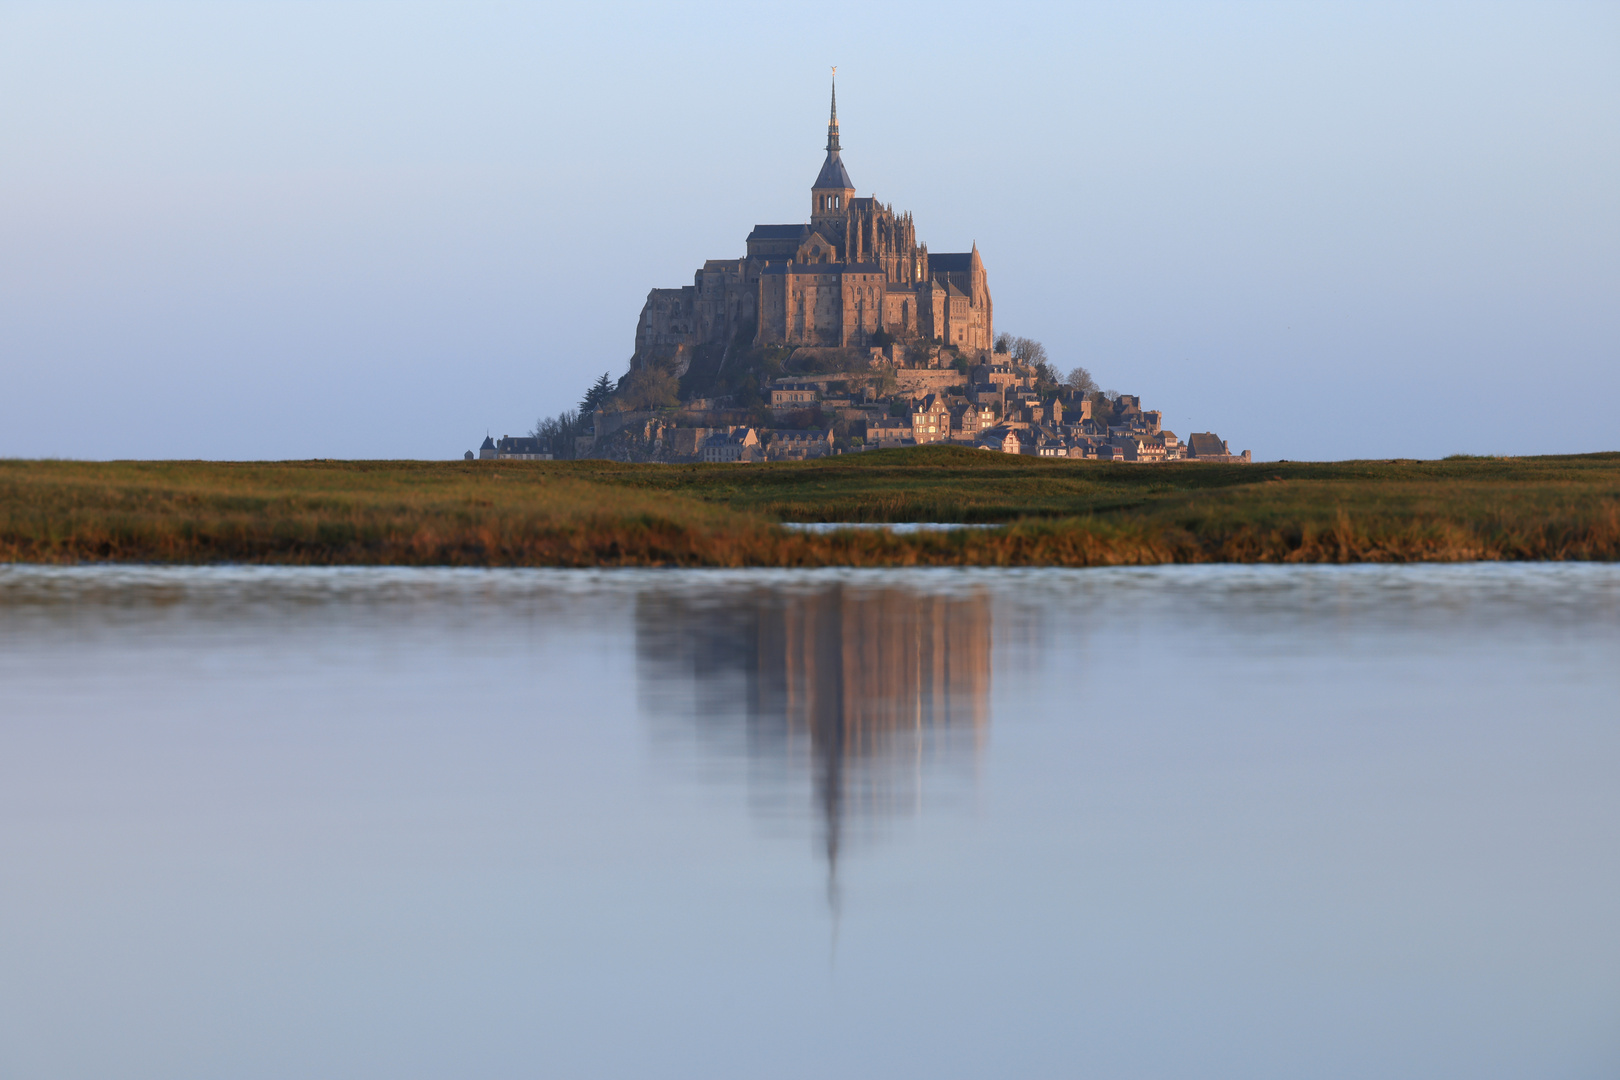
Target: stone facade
<point>520,448</point>
<point>853,270</point>
<point>739,444</point>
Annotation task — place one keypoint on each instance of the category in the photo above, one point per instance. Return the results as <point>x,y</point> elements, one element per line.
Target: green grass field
<point>591,513</point>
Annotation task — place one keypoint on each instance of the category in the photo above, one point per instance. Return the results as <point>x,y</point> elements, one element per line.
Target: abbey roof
<point>777,232</point>
<point>833,174</point>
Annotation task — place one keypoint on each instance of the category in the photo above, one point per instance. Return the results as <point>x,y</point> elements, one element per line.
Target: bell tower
<point>830,194</point>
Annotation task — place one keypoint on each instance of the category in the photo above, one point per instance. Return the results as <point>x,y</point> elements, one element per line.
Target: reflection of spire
<point>830,782</point>
<point>865,674</point>
<point>867,684</point>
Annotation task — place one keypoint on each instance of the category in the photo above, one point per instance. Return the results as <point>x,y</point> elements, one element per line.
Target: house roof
<point>1205,442</point>
<point>519,443</point>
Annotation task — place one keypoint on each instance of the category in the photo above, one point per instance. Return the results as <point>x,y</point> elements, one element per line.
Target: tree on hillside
<point>599,392</point>
<point>1080,381</point>
<point>1024,350</point>
<point>649,387</point>
<point>1028,351</point>
<point>556,433</point>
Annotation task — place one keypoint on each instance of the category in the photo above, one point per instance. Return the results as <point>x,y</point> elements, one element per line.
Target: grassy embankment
<point>592,513</point>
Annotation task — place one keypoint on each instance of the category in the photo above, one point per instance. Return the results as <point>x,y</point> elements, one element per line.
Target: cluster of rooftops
<point>997,405</point>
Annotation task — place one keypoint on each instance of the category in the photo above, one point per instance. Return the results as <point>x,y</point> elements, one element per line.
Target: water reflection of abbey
<point>867,688</point>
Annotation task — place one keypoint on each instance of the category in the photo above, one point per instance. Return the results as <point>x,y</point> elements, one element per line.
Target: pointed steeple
<point>832,124</point>
<point>830,194</point>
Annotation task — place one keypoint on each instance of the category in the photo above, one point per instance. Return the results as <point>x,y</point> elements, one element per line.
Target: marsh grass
<point>597,513</point>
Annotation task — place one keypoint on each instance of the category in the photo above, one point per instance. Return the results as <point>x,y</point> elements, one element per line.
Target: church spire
<point>830,194</point>
<point>832,124</point>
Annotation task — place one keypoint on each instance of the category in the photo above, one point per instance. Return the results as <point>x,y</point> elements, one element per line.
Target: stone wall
<point>927,380</point>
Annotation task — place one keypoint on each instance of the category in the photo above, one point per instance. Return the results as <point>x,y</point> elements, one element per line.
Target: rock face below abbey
<point>853,277</point>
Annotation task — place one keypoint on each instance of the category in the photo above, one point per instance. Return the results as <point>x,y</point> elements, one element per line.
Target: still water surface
<point>1181,822</point>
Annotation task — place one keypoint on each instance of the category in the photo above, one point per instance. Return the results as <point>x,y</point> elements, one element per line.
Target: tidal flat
<point>597,513</point>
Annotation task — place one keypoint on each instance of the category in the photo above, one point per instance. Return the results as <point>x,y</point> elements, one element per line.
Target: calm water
<point>1187,822</point>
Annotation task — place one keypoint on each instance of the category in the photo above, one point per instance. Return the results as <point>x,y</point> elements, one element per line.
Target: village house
<point>792,397</point>
<point>969,419</point>
<point>889,431</point>
<point>799,444</point>
<point>1051,443</point>
<point>930,420</point>
<point>510,448</point>
<point>1145,448</point>
<point>998,376</point>
<point>1008,440</point>
<point>1084,447</point>
<point>988,396</point>
<point>1209,447</point>
<point>738,444</point>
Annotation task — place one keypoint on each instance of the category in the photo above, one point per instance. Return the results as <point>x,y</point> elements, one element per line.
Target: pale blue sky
<point>379,230</point>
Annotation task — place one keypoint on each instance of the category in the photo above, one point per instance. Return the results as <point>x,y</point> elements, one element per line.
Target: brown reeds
<point>599,514</point>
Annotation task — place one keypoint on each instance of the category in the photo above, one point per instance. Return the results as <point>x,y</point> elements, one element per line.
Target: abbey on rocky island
<point>852,277</point>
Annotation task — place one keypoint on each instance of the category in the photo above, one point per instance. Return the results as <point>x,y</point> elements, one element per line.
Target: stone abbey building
<point>854,270</point>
